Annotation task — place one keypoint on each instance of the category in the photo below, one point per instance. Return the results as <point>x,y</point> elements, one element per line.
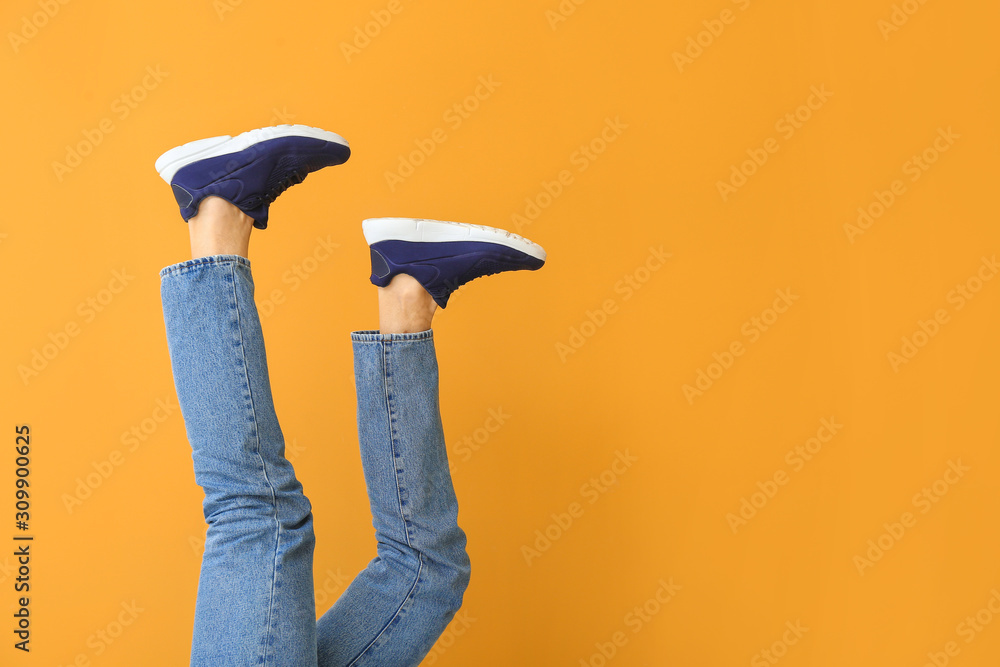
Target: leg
<point>396,608</point>
<point>255,601</point>
<point>219,228</point>
<point>394,611</point>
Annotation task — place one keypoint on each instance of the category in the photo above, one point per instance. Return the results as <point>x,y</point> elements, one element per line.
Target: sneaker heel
<point>167,164</point>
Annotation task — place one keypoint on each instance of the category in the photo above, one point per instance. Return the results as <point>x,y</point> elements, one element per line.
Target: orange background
<point>584,365</point>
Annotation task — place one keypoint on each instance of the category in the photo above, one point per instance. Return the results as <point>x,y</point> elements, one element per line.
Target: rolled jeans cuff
<point>198,262</point>
<point>373,336</point>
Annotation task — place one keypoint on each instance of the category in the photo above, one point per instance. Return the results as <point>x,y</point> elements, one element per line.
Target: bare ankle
<point>219,228</point>
<point>404,306</point>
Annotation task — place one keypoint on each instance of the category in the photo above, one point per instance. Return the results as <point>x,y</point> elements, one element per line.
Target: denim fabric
<point>255,602</point>
<point>414,586</point>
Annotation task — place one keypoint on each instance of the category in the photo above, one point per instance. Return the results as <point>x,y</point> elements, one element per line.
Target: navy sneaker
<point>249,170</point>
<point>443,256</point>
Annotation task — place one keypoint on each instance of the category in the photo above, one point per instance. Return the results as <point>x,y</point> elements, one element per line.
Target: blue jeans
<point>255,603</point>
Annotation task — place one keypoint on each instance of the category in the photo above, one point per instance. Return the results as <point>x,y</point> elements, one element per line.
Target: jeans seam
<point>420,558</point>
<point>395,615</point>
<point>256,432</point>
<point>387,365</point>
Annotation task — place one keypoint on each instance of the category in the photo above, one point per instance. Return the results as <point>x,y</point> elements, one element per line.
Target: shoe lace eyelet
<point>288,181</point>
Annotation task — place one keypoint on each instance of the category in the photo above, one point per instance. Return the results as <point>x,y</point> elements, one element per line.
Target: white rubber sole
<point>420,230</point>
<point>173,160</point>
